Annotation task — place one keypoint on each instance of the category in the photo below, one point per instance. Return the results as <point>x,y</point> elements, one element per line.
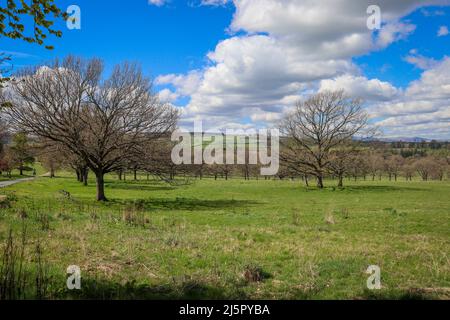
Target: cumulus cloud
<point>434,83</point>
<point>423,108</point>
<point>166,95</point>
<point>282,50</point>
<point>361,87</point>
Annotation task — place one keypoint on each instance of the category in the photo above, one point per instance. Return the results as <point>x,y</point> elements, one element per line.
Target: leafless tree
<point>343,160</point>
<point>393,165</point>
<point>374,162</point>
<point>51,155</point>
<point>316,126</point>
<point>103,121</point>
<point>7,161</point>
<point>439,168</point>
<point>408,169</point>
<point>424,167</point>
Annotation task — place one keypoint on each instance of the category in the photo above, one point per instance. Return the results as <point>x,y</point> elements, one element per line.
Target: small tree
<point>7,162</point>
<point>342,161</point>
<point>393,165</point>
<point>51,155</point>
<point>408,169</point>
<point>21,151</point>
<point>424,167</point>
<point>374,162</point>
<point>318,125</point>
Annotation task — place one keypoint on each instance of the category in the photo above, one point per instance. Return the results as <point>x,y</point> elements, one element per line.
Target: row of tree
<point>79,118</point>
<point>358,160</point>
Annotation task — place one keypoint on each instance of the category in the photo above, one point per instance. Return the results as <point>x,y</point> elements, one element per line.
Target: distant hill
<point>405,139</point>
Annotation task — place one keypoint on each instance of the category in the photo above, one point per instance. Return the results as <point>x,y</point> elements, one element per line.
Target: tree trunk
<point>52,172</point>
<point>135,175</point>
<point>341,182</point>
<point>85,176</point>
<point>100,186</point>
<point>320,181</point>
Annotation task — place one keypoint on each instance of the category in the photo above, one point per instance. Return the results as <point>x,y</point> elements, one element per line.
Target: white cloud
<point>443,31</point>
<point>420,61</point>
<point>166,95</point>
<point>283,49</point>
<point>185,84</point>
<point>361,87</point>
<point>424,107</point>
<point>433,84</point>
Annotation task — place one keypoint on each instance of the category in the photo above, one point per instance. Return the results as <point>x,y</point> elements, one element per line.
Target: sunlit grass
<point>154,240</point>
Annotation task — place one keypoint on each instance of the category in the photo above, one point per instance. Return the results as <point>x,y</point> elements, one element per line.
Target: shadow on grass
<point>190,204</point>
<point>190,290</point>
<point>407,294</point>
<point>129,186</point>
<point>366,188</point>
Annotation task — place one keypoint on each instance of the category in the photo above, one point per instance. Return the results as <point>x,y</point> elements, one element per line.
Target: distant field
<point>208,238</point>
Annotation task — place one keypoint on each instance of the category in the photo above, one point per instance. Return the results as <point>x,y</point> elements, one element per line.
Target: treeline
<point>362,161</point>
<point>68,114</point>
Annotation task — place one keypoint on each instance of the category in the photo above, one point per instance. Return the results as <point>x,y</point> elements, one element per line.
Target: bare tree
<point>374,162</point>
<point>393,165</point>
<point>51,155</point>
<point>408,169</point>
<point>7,161</point>
<point>103,121</point>
<point>316,126</point>
<point>343,160</point>
<point>439,168</point>
<point>424,167</point>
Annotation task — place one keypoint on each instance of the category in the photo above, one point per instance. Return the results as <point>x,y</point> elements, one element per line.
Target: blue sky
<point>221,62</point>
<point>389,64</point>
<point>169,39</point>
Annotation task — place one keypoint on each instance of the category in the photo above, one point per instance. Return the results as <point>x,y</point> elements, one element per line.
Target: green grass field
<point>204,239</point>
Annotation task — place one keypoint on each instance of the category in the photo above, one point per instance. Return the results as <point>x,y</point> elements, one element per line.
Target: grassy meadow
<point>207,239</point>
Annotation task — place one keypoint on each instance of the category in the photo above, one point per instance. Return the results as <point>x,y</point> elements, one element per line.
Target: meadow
<point>235,239</point>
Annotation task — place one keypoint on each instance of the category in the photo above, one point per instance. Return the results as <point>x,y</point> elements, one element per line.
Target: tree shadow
<point>367,188</point>
<point>406,294</point>
<point>102,289</point>
<point>127,186</point>
<point>189,204</point>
